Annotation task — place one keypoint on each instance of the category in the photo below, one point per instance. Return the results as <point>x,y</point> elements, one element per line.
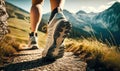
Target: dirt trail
<point>31,60</point>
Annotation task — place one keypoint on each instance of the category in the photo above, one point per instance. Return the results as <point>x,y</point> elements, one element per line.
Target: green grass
<point>20,31</point>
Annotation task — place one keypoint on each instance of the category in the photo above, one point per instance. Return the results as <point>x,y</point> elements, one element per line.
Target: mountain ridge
<point>14,11</point>
<point>7,3</point>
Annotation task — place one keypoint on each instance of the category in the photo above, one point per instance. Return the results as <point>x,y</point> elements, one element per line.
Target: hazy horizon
<point>70,5</point>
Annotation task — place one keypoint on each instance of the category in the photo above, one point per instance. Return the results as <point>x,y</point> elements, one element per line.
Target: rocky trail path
<point>31,60</point>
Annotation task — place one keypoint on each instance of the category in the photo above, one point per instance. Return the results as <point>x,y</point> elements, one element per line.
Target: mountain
<point>108,23</point>
<point>81,12</point>
<point>104,26</point>
<point>16,12</point>
<point>110,17</point>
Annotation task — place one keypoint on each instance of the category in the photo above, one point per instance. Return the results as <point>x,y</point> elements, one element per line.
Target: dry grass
<point>8,47</point>
<point>95,51</point>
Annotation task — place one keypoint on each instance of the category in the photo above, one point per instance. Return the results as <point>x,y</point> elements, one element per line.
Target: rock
<point>3,19</point>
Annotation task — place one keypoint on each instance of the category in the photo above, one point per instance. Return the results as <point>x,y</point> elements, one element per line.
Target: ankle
<point>56,10</point>
<point>33,34</point>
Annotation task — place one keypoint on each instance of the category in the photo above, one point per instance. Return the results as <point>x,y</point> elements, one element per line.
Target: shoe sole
<point>33,48</point>
<point>61,32</point>
<point>60,52</point>
<point>53,58</point>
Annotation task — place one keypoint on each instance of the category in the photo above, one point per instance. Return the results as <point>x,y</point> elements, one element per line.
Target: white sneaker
<point>58,28</point>
<point>33,44</point>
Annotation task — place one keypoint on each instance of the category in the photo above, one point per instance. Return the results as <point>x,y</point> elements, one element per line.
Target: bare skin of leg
<point>36,11</point>
<point>56,3</point>
<point>35,14</point>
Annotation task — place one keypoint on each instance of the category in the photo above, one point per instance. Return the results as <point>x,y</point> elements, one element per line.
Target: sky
<point>71,5</point>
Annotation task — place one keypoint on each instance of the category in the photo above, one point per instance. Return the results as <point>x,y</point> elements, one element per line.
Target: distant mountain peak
<point>115,8</point>
<point>116,5</point>
<point>92,13</point>
<point>81,12</point>
<point>66,11</point>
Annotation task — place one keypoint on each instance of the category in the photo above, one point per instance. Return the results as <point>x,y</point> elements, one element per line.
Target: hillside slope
<point>18,23</point>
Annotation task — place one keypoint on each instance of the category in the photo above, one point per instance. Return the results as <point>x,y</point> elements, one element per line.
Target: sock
<point>56,10</point>
<point>33,34</point>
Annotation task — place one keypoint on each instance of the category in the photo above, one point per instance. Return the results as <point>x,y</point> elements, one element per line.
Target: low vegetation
<point>99,56</point>
<point>7,48</point>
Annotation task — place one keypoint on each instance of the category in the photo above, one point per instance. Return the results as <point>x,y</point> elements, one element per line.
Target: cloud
<point>118,0</point>
<point>93,9</point>
<point>112,2</point>
<point>88,9</point>
<point>100,8</point>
